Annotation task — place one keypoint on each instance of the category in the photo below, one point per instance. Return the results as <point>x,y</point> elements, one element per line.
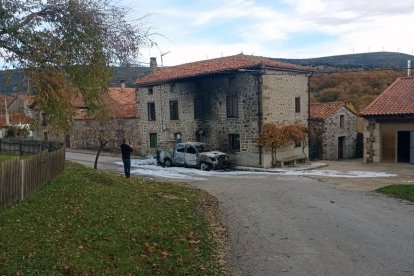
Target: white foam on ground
<point>148,167</point>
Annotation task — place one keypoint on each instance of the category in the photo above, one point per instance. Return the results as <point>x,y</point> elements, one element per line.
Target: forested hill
<point>14,81</point>
<point>388,60</point>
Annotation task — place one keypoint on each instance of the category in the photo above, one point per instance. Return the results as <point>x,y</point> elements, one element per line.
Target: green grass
<point>8,155</point>
<point>88,221</point>
<point>399,191</point>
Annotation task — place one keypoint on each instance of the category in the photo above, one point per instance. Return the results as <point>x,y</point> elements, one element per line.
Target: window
<point>151,111</point>
<point>180,148</point>
<point>198,109</point>
<point>150,91</point>
<point>297,104</point>
<point>174,110</point>
<point>232,106</point>
<point>341,121</point>
<point>234,142</point>
<point>191,150</point>
<point>298,144</point>
<point>153,140</point>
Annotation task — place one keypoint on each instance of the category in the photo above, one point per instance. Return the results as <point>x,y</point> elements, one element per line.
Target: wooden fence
<point>19,178</point>
<point>27,146</point>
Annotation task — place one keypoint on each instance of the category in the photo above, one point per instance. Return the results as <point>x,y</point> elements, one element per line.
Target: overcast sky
<point>201,29</point>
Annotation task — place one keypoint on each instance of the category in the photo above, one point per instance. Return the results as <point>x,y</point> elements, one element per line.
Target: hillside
<point>356,61</point>
<point>14,81</point>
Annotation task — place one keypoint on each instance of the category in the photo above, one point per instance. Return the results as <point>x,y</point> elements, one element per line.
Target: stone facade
<point>255,99</point>
<point>333,140</point>
<point>83,134</point>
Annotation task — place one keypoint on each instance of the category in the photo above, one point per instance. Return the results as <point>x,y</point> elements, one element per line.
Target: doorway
<point>341,147</point>
<point>403,147</point>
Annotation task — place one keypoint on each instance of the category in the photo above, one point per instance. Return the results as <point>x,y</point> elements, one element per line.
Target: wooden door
<point>388,147</point>
<point>341,145</point>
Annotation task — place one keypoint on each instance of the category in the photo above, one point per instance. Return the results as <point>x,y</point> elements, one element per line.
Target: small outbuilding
<point>389,124</point>
<point>332,130</point>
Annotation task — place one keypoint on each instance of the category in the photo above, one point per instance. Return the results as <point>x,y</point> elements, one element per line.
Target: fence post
<point>22,181</point>
<point>20,147</point>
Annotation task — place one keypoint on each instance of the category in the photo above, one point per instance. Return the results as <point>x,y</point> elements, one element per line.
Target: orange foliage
<point>356,87</point>
<point>276,136</point>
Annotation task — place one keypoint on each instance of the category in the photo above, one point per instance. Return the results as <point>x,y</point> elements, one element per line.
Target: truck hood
<point>213,153</point>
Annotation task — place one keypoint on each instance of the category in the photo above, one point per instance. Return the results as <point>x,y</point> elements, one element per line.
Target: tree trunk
<point>95,165</point>
<point>274,159</point>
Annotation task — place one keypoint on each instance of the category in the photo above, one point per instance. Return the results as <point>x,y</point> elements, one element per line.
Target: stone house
<point>121,102</point>
<point>389,124</point>
<point>224,102</point>
<point>14,109</point>
<point>332,131</point>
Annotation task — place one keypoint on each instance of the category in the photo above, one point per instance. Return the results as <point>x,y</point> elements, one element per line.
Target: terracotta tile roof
<point>13,118</point>
<point>322,111</point>
<point>212,66</point>
<point>397,99</point>
<point>122,103</point>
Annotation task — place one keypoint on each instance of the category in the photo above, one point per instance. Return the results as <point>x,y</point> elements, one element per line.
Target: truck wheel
<point>204,167</point>
<point>167,163</point>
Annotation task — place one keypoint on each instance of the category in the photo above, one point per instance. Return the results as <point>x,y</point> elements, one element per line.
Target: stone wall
<point>215,127</point>
<point>163,126</point>
<point>371,141</point>
<point>279,90</point>
<point>84,132</point>
<point>332,131</point>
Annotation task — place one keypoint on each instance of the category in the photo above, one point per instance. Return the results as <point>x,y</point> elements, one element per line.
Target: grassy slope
<point>88,221</point>
<point>399,191</point>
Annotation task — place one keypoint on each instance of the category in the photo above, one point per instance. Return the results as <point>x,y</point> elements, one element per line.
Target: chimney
<point>122,85</point>
<point>153,65</point>
<point>409,68</point>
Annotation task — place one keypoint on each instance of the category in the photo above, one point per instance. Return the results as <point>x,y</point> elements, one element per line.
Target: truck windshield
<point>203,148</point>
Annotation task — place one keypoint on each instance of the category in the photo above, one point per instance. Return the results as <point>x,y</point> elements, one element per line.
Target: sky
<point>186,31</point>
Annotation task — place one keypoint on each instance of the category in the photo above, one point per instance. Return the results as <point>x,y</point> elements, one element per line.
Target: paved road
<point>299,226</point>
<point>284,225</point>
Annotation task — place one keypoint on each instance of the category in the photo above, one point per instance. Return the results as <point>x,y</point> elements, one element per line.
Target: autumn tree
<point>66,48</point>
<point>277,136</point>
<point>357,87</point>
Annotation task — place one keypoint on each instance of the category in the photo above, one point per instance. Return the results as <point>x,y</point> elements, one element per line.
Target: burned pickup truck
<point>193,154</point>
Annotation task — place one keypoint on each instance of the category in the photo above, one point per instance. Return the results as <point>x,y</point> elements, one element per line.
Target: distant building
<point>224,102</point>
<point>332,131</point>
<point>14,109</point>
<point>121,102</point>
<point>389,124</point>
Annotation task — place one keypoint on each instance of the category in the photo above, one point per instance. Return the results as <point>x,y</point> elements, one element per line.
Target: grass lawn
<point>90,222</point>
<point>399,191</point>
<point>8,155</point>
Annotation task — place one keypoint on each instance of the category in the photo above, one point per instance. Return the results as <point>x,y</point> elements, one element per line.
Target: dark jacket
<point>126,151</point>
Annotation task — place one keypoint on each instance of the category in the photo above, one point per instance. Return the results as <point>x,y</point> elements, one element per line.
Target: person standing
<point>126,157</point>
